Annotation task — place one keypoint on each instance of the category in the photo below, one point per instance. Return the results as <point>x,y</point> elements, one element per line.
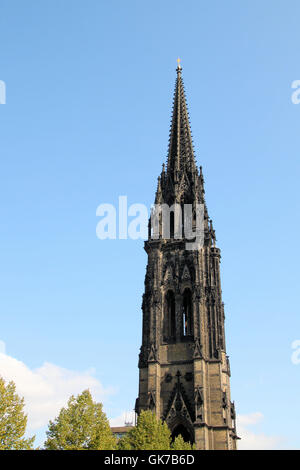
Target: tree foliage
<point>81,425</point>
<point>151,434</point>
<point>13,421</point>
<point>180,444</point>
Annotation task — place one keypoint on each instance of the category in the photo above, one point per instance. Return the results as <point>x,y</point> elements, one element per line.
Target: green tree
<point>13,421</point>
<point>180,444</point>
<point>81,425</point>
<point>151,434</point>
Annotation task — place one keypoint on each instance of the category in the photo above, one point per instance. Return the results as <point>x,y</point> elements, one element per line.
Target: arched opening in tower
<point>170,322</point>
<point>183,431</point>
<point>187,313</point>
<point>172,224</point>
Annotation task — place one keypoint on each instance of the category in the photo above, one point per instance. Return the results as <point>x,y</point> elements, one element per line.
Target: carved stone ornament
<point>186,274</point>
<point>151,400</point>
<point>168,277</point>
<point>197,349</point>
<point>179,404</point>
<point>152,354</point>
<point>199,401</point>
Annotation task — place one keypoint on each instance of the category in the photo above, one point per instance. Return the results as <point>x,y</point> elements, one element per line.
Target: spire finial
<point>179,68</point>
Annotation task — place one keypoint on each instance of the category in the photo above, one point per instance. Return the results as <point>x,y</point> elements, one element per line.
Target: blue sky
<point>87,114</point>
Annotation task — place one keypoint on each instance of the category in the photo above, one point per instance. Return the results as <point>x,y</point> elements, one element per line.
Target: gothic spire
<point>180,153</point>
<point>180,181</point>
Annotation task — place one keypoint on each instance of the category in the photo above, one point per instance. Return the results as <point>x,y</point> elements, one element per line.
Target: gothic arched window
<point>169,316</point>
<point>187,313</point>
<point>172,224</point>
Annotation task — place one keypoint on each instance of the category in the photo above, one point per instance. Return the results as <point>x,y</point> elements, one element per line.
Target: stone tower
<point>184,372</point>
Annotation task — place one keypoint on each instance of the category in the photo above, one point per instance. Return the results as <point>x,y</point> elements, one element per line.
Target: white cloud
<point>47,389</point>
<point>248,420</point>
<point>2,347</point>
<point>251,440</point>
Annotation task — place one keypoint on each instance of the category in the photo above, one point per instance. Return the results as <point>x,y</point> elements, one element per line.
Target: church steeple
<point>184,369</point>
